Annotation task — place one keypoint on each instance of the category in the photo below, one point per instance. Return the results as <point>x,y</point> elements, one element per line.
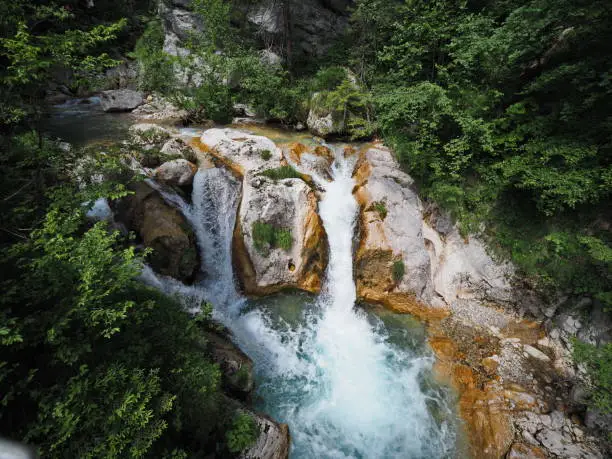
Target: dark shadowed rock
<point>161,228</point>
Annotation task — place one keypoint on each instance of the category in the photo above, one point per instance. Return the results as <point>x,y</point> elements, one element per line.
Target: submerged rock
<point>120,100</point>
<point>161,228</point>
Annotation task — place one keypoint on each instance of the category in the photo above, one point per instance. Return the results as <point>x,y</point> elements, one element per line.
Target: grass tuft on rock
<point>398,270</point>
<point>266,236</point>
<point>280,173</point>
<point>266,155</point>
<point>380,207</point>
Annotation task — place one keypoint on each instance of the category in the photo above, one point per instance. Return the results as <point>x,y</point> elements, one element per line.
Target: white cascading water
<point>344,390</point>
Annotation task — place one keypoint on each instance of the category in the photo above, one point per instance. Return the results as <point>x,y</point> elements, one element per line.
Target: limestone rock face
<point>179,172</point>
<point>463,269</point>
<point>313,24</point>
<point>120,100</point>
<point>391,231</point>
<point>287,205</point>
<point>163,229</point>
<point>273,441</point>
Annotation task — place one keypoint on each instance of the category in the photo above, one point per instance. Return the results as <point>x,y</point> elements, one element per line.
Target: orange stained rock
<point>296,150</point>
<point>234,167</point>
<point>523,451</point>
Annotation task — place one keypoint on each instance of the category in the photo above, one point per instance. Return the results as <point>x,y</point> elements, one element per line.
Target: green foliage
<point>598,360</point>
<point>380,207</point>
<point>280,173</point>
<point>398,270</point>
<point>267,236</point>
<point>266,155</point>
<point>156,67</point>
<point>244,433</point>
<point>38,37</point>
<point>94,364</point>
<point>269,90</point>
<point>349,103</point>
<point>208,96</point>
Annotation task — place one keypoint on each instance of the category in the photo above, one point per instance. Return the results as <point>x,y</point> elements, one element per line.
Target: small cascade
<point>345,389</point>
<point>212,215</point>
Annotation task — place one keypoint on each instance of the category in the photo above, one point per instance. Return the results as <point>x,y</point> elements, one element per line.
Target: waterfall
<point>343,387</point>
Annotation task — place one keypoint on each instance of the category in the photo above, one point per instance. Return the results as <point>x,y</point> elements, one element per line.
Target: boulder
<point>177,147</point>
<point>273,442</point>
<point>178,172</point>
<point>391,257</point>
<point>159,109</point>
<point>120,100</point>
<point>287,208</point>
<point>162,228</point>
<point>240,151</point>
<point>322,121</point>
<point>149,134</point>
<point>287,205</point>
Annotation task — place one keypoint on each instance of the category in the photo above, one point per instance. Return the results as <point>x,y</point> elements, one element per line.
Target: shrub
<point>598,360</point>
<point>398,270</point>
<point>280,173</point>
<point>156,67</point>
<point>266,155</point>
<point>380,207</point>
<point>244,433</point>
<point>267,235</point>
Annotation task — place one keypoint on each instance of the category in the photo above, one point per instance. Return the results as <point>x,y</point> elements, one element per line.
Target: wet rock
<point>287,206</point>
<point>235,365</point>
<point>315,161</point>
<point>273,442</point>
<point>178,172</point>
<point>161,228</point>
<point>120,100</point>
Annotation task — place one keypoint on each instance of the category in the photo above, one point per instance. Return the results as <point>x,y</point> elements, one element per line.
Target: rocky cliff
<point>299,29</point>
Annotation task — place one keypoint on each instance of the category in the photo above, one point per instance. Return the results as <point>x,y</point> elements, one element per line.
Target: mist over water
<point>330,371</point>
